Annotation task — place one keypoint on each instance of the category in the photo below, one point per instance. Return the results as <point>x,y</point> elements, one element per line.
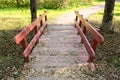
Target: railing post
<point>24,45</point>
<point>84,29</point>
<point>41,22</point>
<point>36,29</point>
<point>90,59</point>
<point>23,42</point>
<point>94,44</point>
<point>45,16</point>
<point>76,19</point>
<point>80,24</point>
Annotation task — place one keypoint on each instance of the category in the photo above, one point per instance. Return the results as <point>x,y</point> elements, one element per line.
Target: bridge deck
<point>59,47</point>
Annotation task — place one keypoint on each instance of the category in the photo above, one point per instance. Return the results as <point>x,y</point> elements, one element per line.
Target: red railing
<point>82,26</point>
<point>21,36</point>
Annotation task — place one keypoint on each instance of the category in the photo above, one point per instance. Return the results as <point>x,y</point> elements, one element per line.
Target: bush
<point>53,4</point>
<point>48,4</point>
<point>14,3</point>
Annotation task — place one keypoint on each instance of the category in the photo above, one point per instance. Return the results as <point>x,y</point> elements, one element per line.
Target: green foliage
<point>79,2</point>
<point>47,4</point>
<point>53,4</point>
<point>99,0</point>
<point>14,3</point>
<point>50,4</point>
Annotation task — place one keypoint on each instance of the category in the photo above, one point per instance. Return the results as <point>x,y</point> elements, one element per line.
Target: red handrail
<point>97,37</point>
<point>21,36</point>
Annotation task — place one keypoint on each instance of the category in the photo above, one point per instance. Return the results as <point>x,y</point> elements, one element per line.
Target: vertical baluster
<point>36,29</point>
<point>94,42</point>
<point>24,46</point>
<point>41,22</point>
<point>76,19</point>
<point>45,16</point>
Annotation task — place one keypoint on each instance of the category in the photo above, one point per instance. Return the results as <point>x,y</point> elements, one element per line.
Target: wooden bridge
<point>59,46</point>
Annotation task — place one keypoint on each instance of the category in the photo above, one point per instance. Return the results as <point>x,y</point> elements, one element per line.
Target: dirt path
<point>68,19</point>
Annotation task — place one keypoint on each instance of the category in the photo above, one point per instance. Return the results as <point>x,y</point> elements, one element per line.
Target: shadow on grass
<point>107,57</point>
<point>11,59</point>
<point>117,14</point>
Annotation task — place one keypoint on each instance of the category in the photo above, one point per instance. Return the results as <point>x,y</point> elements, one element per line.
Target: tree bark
<point>106,25</point>
<point>33,8</point>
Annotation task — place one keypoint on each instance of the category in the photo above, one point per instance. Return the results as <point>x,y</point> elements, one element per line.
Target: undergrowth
<point>107,57</point>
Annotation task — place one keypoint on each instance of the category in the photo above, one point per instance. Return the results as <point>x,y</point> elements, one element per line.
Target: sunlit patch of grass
<point>116,18</point>
<point>16,18</point>
<point>117,11</point>
<point>13,18</point>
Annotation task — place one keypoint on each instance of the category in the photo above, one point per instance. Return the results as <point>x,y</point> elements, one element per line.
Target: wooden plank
<point>97,36</point>
<point>34,40</point>
<point>86,43</point>
<point>18,38</point>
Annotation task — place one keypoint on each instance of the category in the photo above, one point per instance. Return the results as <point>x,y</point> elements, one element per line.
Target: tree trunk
<point>33,8</point>
<point>106,25</point>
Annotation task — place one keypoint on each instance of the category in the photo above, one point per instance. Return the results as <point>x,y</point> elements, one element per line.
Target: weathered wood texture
<point>21,36</point>
<point>97,37</point>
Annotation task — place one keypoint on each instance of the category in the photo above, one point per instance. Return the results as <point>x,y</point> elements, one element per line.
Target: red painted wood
<point>41,23</point>
<point>34,40</point>
<point>36,29</point>
<point>23,42</point>
<point>21,37</point>
<point>94,44</point>
<point>86,43</point>
<point>97,37</point>
<point>76,19</point>
<point>84,30</point>
<point>45,16</point>
<point>80,24</point>
<point>18,38</point>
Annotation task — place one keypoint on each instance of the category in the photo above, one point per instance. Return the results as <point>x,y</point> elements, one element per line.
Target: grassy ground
<point>107,58</point>
<point>11,20</point>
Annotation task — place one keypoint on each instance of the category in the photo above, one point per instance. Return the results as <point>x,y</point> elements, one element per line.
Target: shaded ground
<point>108,55</point>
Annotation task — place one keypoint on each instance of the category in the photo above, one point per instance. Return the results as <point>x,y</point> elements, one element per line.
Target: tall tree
<point>33,8</point>
<point>106,25</point>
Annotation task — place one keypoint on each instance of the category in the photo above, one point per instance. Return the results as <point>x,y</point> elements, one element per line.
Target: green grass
<point>116,19</point>
<point>11,20</point>
<point>20,17</point>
